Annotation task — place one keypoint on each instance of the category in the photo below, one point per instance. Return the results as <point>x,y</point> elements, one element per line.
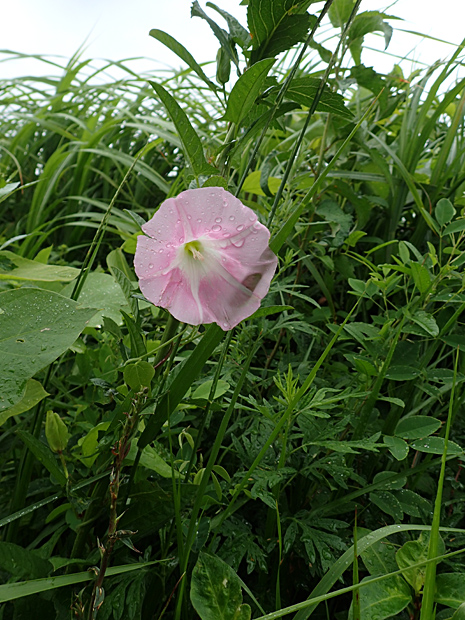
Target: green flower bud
<point>56,432</point>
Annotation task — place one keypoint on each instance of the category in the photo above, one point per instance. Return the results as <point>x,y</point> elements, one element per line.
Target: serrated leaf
<point>303,91</point>
<point>36,327</point>
<point>238,33</point>
<point>426,321</point>
<point>192,146</point>
<point>246,90</point>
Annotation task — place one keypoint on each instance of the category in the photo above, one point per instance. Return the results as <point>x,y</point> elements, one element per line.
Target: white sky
<point>118,29</point>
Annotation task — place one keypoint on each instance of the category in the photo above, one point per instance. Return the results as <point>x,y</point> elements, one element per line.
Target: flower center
<point>193,249</point>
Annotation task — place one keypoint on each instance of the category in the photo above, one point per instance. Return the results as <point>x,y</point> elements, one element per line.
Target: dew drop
<point>232,218</point>
<point>150,265</point>
<point>160,251</point>
<point>240,227</point>
<point>218,220</point>
<point>216,228</point>
<point>223,244</point>
<point>178,221</point>
<point>189,217</point>
<point>199,220</point>
<point>239,243</point>
<point>252,217</point>
<point>159,231</point>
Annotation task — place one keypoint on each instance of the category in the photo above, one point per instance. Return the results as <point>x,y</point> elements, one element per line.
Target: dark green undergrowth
<point>315,448</point>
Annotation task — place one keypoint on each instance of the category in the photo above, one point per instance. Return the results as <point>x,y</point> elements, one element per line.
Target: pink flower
<point>206,258</point>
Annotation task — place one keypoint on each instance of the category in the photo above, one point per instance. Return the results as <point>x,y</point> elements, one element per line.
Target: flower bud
<point>56,432</point>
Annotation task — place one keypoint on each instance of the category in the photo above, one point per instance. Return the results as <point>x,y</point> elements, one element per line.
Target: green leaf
<point>397,447</point>
<point>36,327</point>
<point>238,33</point>
<point>192,147</point>
<point>303,91</point>
<point>138,375</point>
<point>278,26</point>
<point>216,181</point>
<point>33,271</point>
<point>413,504</point>
<point>454,227</point>
<point>383,599</point>
<point>216,591</point>
<point>56,432</point>
<point>203,391</point>
<point>402,373</point>
<point>8,189</point>
<point>151,460</point>
<point>44,455</point>
<point>364,23</point>
<point>267,310</point>
<point>246,90</point>
<point>34,394</point>
<point>388,503</point>
<point>222,36</point>
<point>436,445</point>
<point>417,427</point>
<point>183,54</point>
<point>339,12</point>
<point>444,211</point>
<point>21,563</point>
<point>413,552</point>
<point>460,613</point>
<point>100,291</point>
<point>426,321</point>
<point>421,277</point>
<point>12,591</point>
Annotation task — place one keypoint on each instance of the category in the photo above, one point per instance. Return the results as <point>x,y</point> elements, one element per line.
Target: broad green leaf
<point>397,447</point>
<point>36,327</point>
<point>275,27</point>
<point>303,91</point>
<point>100,291</point>
<point>436,445</point>
<point>216,591</point>
<point>421,277</point>
<point>383,599</point>
<point>44,455</point>
<point>34,394</point>
<point>88,445</point>
<point>246,90</point>
<point>151,460</point>
<point>203,391</point>
<point>460,613</point>
<point>253,180</point>
<point>267,310</point>
<point>192,147</point>
<point>21,563</point>
<point>184,379</point>
<point>454,227</point>
<point>364,23</point>
<point>339,12</point>
<point>8,189</point>
<point>13,267</point>
<point>380,558</point>
<point>388,503</point>
<point>426,321</point>
<point>417,427</point>
<point>12,591</point>
<point>183,54</point>
<point>444,211</point>
<point>216,181</point>
<point>413,504</point>
<point>138,375</point>
<point>402,373</point>
<point>412,552</point>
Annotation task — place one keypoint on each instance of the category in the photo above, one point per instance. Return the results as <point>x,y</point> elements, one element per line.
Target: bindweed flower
<point>206,258</point>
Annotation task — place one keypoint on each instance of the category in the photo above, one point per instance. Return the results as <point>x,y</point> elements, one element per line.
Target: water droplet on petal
<point>238,243</point>
<point>240,227</point>
<point>160,251</point>
<point>150,265</point>
<point>189,217</point>
<point>252,217</point>
<point>199,220</point>
<point>218,220</point>
<point>223,244</point>
<point>216,228</point>
<point>232,218</point>
<point>178,221</point>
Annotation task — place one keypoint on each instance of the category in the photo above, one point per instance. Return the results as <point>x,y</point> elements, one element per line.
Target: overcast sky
<point>118,29</point>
